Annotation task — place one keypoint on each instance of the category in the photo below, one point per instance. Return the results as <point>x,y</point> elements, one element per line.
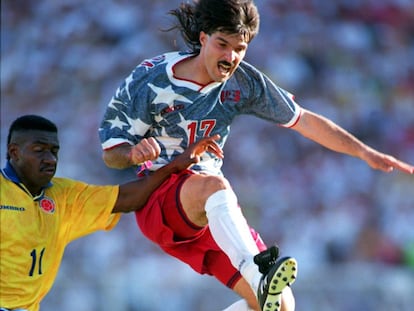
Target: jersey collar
<point>9,173</point>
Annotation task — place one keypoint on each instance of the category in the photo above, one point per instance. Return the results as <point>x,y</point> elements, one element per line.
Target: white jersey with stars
<point>153,102</point>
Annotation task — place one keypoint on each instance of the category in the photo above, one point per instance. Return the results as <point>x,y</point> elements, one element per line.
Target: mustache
<point>225,63</point>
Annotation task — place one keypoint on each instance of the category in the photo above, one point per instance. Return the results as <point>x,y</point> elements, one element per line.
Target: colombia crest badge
<point>47,205</point>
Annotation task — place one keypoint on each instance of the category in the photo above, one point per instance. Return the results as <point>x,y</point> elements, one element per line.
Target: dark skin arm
<point>133,195</point>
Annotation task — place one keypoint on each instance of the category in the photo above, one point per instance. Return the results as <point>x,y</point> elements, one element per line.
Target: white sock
<point>240,305</point>
<point>232,233</point>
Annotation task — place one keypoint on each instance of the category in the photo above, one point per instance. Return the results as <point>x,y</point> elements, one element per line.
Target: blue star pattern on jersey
<point>153,102</point>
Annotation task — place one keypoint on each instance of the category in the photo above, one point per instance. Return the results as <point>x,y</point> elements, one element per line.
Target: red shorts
<point>163,221</point>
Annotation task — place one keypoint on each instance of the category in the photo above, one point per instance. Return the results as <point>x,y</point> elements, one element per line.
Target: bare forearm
<point>133,195</point>
<point>330,135</point>
<point>123,156</point>
<point>118,157</point>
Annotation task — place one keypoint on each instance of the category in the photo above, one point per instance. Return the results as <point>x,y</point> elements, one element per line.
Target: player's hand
<point>147,149</point>
<point>193,153</point>
<point>386,163</point>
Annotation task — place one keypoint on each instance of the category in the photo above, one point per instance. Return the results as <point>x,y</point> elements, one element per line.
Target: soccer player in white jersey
<point>177,98</point>
<point>40,214</point>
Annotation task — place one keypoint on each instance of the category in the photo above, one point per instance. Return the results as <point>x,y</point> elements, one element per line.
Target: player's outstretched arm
<point>385,162</point>
<point>133,195</point>
<point>334,137</point>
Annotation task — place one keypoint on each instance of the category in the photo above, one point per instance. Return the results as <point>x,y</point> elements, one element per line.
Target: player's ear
<point>202,37</point>
<point>12,150</point>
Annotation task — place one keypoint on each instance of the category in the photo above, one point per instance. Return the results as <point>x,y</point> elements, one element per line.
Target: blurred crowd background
<point>350,227</point>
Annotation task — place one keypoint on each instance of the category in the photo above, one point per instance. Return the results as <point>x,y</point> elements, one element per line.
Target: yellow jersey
<point>34,232</point>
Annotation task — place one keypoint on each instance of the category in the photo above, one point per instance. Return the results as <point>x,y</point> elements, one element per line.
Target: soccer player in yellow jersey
<point>40,214</point>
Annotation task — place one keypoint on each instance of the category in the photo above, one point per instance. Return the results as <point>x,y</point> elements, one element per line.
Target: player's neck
<point>192,69</point>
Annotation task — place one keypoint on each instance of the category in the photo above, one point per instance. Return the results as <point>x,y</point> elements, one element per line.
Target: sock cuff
<point>224,197</point>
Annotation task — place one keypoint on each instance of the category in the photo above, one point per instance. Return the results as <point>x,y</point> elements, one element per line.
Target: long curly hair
<point>227,16</point>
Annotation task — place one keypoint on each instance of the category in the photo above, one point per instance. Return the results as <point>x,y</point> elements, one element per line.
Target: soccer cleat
<point>266,259</point>
<point>281,274</point>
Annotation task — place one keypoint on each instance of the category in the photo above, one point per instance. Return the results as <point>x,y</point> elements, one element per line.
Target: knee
<point>212,184</point>
<point>219,196</point>
<point>196,191</point>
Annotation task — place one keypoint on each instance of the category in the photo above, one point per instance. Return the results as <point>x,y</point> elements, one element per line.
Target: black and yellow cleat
<point>281,274</point>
